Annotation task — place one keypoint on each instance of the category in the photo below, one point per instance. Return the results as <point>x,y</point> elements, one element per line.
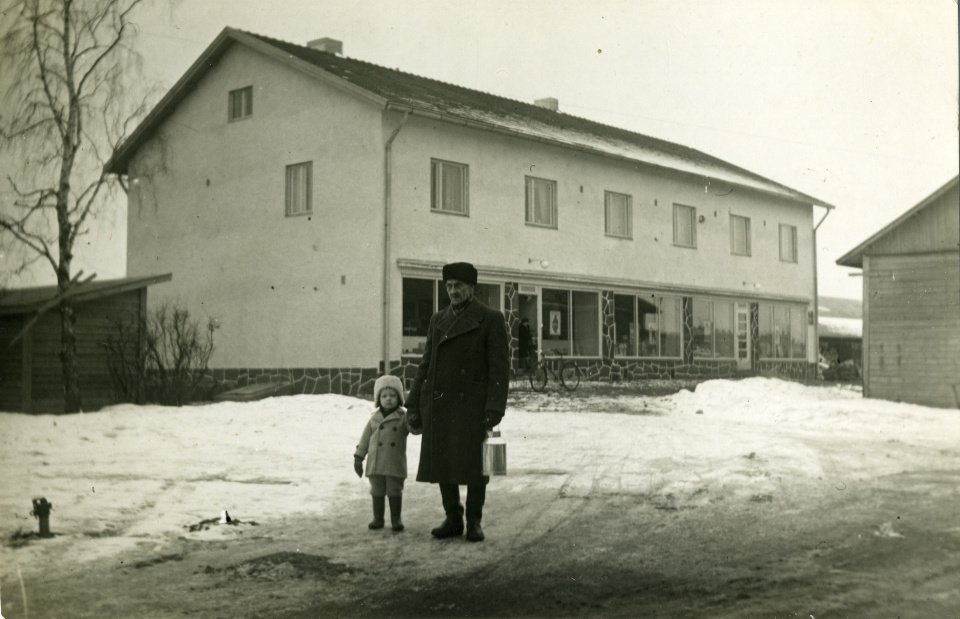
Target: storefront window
<point>798,334</point>
<point>723,329</point>
<point>417,309</point>
<point>783,332</point>
<point>586,324</point>
<point>556,308</point>
<point>624,316</point>
<point>702,328</point>
<point>649,326</point>
<point>670,330</point>
<point>766,331</point>
<point>713,329</point>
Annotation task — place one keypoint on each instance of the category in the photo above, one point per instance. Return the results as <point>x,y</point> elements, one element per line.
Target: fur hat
<point>392,382</point>
<point>461,271</point>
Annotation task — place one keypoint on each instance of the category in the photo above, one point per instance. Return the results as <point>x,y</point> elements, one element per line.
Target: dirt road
<point>855,525</point>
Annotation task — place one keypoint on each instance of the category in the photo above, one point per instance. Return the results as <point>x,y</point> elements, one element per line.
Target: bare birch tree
<point>69,104</point>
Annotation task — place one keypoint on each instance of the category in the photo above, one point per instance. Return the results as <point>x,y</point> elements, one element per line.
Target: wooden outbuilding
<point>31,377</point>
<point>911,303</point>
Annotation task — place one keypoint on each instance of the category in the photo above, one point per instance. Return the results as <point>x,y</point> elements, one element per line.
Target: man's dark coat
<point>465,371</point>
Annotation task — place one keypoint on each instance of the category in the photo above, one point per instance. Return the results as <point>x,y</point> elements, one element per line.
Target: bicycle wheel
<point>570,376</point>
<point>538,378</point>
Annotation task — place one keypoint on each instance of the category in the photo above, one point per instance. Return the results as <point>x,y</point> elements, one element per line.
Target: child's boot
<point>378,508</point>
<point>396,503</point>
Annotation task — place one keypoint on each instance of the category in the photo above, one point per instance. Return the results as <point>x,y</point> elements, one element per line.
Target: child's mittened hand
<point>358,466</point>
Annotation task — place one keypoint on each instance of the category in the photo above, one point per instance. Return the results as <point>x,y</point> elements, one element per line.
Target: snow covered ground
<point>136,476</point>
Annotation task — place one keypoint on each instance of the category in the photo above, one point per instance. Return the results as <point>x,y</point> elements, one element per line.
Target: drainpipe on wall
<point>816,291</point>
<point>387,170</point>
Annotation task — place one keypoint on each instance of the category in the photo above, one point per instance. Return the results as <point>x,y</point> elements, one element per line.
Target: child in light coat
<point>384,445</point>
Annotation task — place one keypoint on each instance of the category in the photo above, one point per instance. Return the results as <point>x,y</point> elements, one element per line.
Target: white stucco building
<point>308,201</point>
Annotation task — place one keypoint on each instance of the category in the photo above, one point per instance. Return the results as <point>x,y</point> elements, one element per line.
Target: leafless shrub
<point>163,358</point>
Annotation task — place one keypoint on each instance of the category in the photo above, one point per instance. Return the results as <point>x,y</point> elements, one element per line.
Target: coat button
<point>461,396</point>
<point>391,444</point>
<point>463,371</point>
<point>394,429</point>
<point>379,444</point>
<point>382,426</point>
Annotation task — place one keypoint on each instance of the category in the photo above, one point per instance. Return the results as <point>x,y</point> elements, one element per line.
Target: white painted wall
<point>495,234</point>
<point>273,282</point>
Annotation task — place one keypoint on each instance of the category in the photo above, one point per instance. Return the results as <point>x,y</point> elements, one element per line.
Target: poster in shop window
<point>555,323</point>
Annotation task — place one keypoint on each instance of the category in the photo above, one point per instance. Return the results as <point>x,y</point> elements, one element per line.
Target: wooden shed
<point>911,303</point>
<point>31,378</point>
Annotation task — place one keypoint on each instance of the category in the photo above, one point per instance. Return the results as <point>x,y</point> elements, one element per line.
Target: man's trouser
<point>476,496</point>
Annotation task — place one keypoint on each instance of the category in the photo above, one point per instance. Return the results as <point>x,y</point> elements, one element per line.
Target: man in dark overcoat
<point>460,392</point>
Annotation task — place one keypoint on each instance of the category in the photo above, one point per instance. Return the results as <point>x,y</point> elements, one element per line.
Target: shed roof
<point>28,300</point>
<point>854,257</point>
<point>395,89</point>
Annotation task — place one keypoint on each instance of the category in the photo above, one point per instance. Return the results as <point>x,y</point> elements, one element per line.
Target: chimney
<point>326,44</point>
<point>550,103</point>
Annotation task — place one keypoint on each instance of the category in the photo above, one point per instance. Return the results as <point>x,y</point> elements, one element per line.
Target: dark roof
<point>396,89</point>
<point>28,300</point>
<point>854,257</point>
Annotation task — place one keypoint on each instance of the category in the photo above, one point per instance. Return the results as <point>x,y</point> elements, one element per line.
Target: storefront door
<point>742,335</point>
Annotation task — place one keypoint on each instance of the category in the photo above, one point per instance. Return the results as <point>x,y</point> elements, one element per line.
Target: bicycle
<point>568,374</point>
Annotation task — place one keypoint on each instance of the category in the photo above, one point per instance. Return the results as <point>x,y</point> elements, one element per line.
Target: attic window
<point>240,103</point>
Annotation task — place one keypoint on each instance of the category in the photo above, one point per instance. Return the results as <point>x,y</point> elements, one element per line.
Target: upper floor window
<point>449,184</point>
<point>788,243</point>
<point>684,225</point>
<point>739,235</point>
<point>618,214</point>
<point>299,188</point>
<point>240,103</point>
<point>541,202</point>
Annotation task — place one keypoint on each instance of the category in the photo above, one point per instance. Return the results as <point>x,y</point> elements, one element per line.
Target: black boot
<point>378,508</point>
<point>452,525</point>
<point>396,503</point>
<point>474,532</point>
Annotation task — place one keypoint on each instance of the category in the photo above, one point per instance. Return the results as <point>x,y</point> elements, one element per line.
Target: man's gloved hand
<point>358,465</point>
<point>414,421</point>
<point>493,419</point>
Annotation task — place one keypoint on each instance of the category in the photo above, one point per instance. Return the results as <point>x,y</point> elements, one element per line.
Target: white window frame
<point>291,197</point>
<point>530,210</point>
<point>745,249</point>
<point>437,167</point>
<point>243,97</point>
<point>609,204</point>
<point>789,256</point>
<point>678,216</point>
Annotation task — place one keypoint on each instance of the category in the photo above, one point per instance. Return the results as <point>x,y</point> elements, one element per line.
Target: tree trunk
<point>68,358</point>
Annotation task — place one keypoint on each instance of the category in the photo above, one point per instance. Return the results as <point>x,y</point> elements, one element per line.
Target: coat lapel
<point>451,325</point>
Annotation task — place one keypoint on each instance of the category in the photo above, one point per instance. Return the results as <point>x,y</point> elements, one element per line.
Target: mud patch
<point>282,566</point>
<point>20,539</point>
<point>157,560</point>
<point>204,525</point>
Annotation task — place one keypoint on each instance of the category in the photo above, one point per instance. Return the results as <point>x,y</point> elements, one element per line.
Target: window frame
<point>436,187</point>
<point>569,325</point>
<point>530,207</point>
<point>245,95</point>
<point>308,184</point>
<point>768,318</point>
<point>635,342</point>
<point>730,304</point>
<point>628,208</point>
<point>793,240</point>
<point>747,250</point>
<point>678,208</point>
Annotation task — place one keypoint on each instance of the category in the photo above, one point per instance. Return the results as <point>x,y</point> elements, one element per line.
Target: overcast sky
<point>853,102</point>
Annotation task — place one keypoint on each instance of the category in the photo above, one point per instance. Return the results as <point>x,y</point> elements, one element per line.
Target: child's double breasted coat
<point>384,444</point>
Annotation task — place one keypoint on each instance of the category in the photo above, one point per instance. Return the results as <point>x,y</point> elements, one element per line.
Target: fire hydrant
<point>41,511</point>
